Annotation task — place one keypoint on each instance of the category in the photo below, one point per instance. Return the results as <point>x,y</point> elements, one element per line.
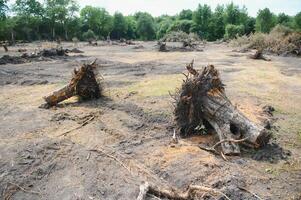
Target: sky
<point>172,7</point>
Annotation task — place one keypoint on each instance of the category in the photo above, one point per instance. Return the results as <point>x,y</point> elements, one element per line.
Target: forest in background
<point>30,20</point>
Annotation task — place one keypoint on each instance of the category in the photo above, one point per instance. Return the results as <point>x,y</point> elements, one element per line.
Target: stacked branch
<point>82,84</point>
<point>202,101</point>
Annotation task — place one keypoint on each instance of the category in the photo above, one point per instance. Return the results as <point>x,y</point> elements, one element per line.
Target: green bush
<point>233,31</point>
<point>89,35</point>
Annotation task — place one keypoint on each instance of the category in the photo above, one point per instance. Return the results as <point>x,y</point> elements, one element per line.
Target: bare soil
<point>106,148</point>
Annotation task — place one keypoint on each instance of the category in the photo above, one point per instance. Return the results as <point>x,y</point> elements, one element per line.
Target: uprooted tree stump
<point>162,46</point>
<point>202,101</point>
<point>83,84</point>
<point>259,56</point>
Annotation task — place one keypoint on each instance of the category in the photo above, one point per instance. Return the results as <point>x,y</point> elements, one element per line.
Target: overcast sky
<point>171,7</point>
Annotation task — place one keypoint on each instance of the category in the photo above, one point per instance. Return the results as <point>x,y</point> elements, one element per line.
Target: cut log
<point>202,101</point>
<point>83,84</point>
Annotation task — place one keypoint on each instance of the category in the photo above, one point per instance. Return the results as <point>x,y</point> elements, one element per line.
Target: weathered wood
<point>5,48</point>
<point>83,84</point>
<point>202,100</point>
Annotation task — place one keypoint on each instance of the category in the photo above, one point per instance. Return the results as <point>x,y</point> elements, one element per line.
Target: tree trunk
<point>83,84</point>
<point>202,100</point>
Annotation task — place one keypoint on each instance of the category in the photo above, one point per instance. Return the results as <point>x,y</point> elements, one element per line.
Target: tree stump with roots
<point>83,84</point>
<point>202,101</point>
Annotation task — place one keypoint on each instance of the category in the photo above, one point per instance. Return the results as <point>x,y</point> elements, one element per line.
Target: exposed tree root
<point>259,56</point>
<point>202,102</point>
<point>83,84</point>
<point>174,194</point>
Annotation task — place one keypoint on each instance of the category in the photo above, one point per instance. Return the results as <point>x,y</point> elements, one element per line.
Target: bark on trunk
<point>83,84</point>
<point>202,100</point>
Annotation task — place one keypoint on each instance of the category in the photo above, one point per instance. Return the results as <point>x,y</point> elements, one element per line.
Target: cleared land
<point>126,136</point>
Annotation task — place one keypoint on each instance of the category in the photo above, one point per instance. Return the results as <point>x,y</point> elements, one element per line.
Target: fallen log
<point>202,101</point>
<point>83,84</point>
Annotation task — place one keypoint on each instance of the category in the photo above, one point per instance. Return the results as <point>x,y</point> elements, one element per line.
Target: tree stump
<point>162,47</point>
<point>202,101</point>
<point>83,84</point>
<point>259,56</point>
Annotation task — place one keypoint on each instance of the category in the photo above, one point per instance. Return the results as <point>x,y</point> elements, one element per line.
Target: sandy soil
<point>128,139</point>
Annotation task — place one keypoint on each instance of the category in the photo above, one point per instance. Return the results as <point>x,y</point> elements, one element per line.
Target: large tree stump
<point>83,84</point>
<point>202,101</point>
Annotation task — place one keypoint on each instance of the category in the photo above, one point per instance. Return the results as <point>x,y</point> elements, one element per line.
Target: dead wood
<point>162,47</point>
<point>52,52</point>
<point>5,48</point>
<point>202,101</point>
<point>174,194</point>
<point>83,84</point>
<point>74,50</point>
<point>259,56</point>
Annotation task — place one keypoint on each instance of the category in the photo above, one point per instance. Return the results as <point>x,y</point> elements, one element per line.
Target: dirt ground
<point>49,154</point>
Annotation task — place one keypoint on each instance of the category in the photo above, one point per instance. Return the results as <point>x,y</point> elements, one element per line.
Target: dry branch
<point>202,101</point>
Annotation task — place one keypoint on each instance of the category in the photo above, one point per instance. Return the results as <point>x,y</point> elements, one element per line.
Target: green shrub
<point>89,35</point>
<point>233,31</point>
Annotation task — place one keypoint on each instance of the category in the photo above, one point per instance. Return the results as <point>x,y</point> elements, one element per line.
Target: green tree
<point>29,18</point>
<point>97,19</point>
<point>163,27</point>
<point>119,26</point>
<point>297,21</point>
<point>250,25</point>
<point>232,14</point>
<point>181,25</point>
<point>265,21</point>
<point>202,17</point>
<point>186,14</point>
<point>282,18</point>
<point>131,27</point>
<point>3,9</point>
<point>145,26</point>
<point>217,25</point>
<point>59,13</point>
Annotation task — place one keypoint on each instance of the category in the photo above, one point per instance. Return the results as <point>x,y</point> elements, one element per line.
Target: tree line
<point>31,20</point>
